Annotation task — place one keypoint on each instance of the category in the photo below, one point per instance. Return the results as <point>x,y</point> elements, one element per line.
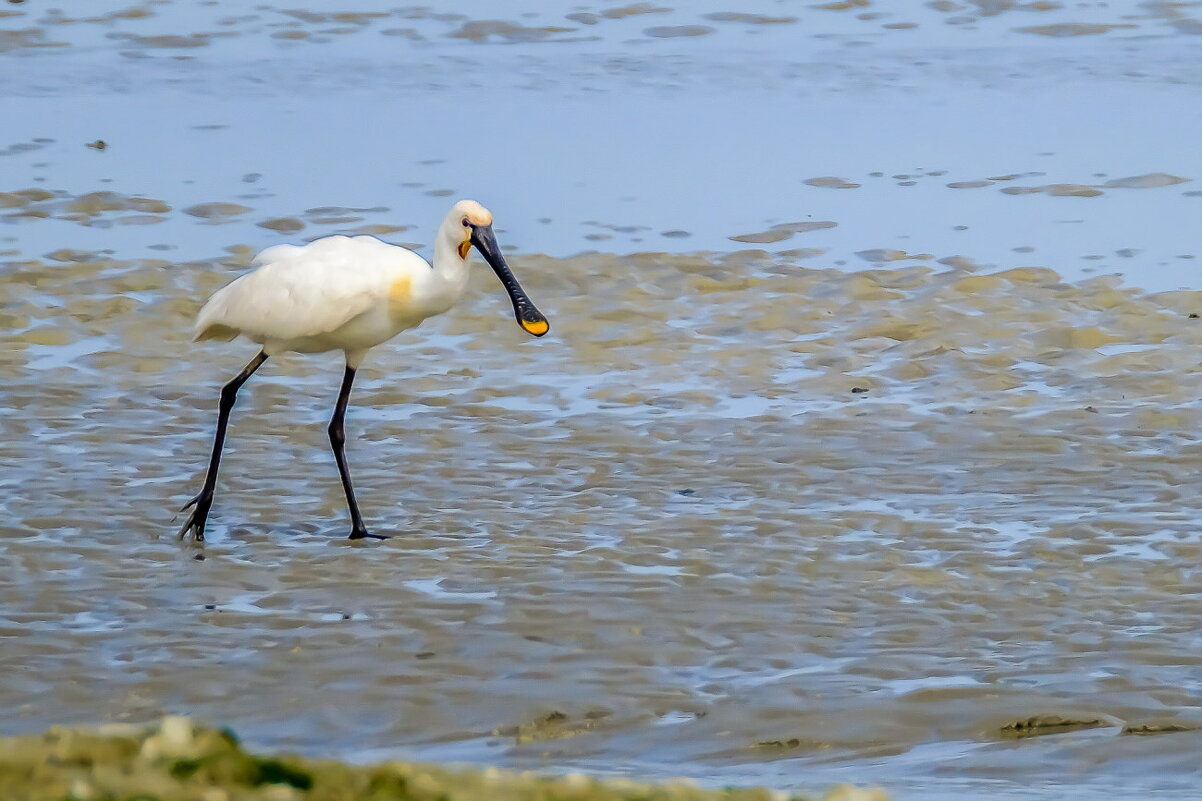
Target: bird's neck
<point>448,266</point>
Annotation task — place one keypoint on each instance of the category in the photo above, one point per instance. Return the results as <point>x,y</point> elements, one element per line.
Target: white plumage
<point>337,293</point>
<point>349,294</point>
<point>306,291</point>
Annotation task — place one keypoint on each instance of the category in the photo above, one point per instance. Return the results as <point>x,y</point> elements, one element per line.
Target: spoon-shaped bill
<point>527,314</point>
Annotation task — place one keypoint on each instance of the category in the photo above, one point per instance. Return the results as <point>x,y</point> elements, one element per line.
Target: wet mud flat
<point>740,518</point>
<point>899,494</point>
<point>180,760</point>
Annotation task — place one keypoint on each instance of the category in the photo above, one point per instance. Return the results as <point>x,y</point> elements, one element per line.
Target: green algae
<point>180,759</point>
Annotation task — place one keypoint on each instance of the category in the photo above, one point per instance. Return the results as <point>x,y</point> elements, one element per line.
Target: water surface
<point>865,435</point>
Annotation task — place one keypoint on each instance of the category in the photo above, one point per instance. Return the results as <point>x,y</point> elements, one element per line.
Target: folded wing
<point>302,291</point>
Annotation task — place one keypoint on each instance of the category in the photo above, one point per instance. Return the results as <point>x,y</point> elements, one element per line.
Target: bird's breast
<point>411,300</point>
<point>400,292</point>
<point>415,297</point>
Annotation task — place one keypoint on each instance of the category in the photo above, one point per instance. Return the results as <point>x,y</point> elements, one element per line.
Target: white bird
<point>349,294</point>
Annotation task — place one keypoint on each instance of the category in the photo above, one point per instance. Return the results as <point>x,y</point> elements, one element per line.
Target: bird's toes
<point>196,524</point>
<point>187,505</point>
<point>367,535</point>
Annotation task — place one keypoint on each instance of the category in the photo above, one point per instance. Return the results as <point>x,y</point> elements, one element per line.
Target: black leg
<point>337,442</point>
<point>203,501</point>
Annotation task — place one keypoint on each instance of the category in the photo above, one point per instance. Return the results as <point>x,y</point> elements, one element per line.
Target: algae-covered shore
<point>179,759</point>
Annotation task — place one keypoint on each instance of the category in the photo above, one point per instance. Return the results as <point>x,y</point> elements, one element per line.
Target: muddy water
<point>884,485</point>
<point>738,518</point>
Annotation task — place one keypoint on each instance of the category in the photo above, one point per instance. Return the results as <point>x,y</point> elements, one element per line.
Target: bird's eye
<point>465,222</point>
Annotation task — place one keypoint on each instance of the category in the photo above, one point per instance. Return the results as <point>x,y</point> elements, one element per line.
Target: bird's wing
<point>300,291</point>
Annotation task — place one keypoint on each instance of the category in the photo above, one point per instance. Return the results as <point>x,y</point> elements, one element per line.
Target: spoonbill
<point>349,294</point>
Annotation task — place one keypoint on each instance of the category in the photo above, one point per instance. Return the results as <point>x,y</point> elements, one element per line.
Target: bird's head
<point>466,217</point>
<point>470,224</point>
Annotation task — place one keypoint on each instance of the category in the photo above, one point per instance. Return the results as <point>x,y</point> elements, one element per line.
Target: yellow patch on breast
<point>400,291</point>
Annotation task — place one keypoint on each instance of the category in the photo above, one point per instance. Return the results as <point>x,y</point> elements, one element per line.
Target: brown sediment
<point>1161,727</point>
<point>1040,725</point>
<point>216,210</point>
<point>830,182</point>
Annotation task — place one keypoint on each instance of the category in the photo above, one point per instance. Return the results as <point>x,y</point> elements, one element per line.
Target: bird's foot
<point>364,534</point>
<point>197,518</point>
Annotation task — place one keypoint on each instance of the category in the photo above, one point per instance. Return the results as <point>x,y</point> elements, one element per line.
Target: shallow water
<point>707,528</point>
<point>847,507</point>
<point>597,133</point>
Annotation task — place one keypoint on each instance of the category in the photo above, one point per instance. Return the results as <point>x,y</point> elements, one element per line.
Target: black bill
<point>527,314</point>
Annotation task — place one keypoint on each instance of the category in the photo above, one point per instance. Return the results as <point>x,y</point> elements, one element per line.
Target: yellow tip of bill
<point>536,327</point>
